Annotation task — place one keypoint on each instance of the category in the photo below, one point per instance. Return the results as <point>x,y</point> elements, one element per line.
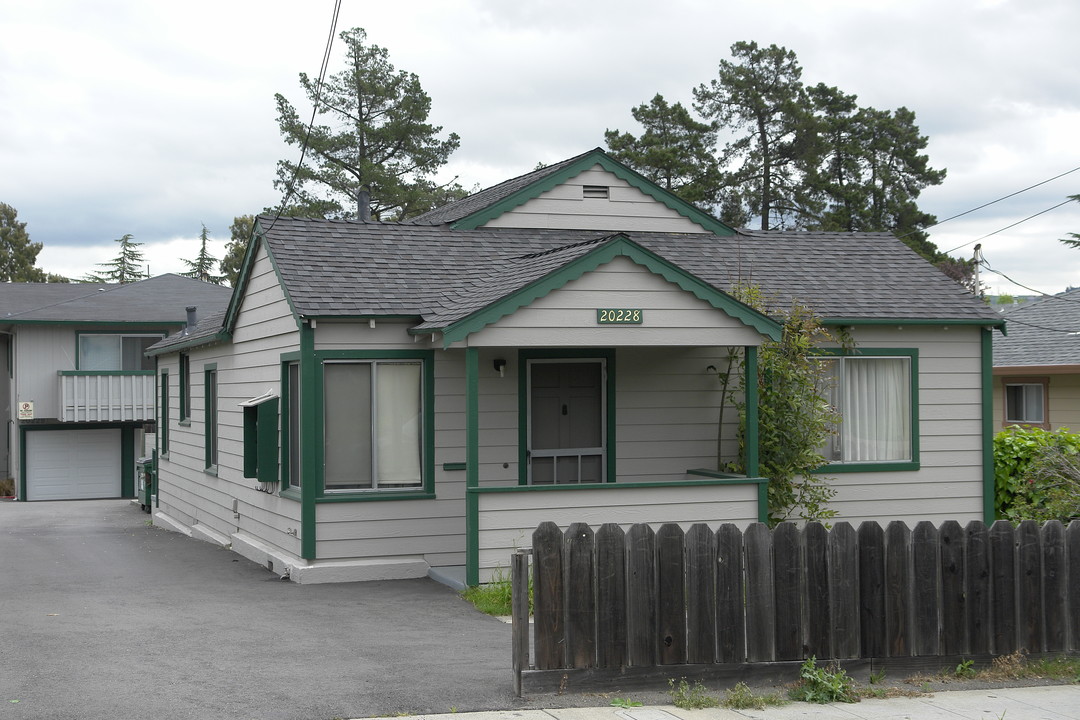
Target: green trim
<point>157,332</point>
<point>617,246</point>
<point>752,440</point>
<point>453,466</point>
<point>233,310</point>
<point>897,466</point>
<point>194,342</point>
<point>989,482</point>
<point>427,489</point>
<point>618,486</point>
<point>374,496</point>
<point>472,466</point>
<point>185,389</point>
<point>580,165</point>
<point>835,321</point>
<point>163,419</point>
<point>125,324</point>
<point>127,461</point>
<point>310,408</point>
<point>605,354</point>
<point>92,373</point>
<point>210,425</point>
<point>284,440</point>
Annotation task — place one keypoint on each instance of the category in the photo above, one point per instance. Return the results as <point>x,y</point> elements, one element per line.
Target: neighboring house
<point>1037,365</point>
<point>77,389</point>
<point>395,400</point>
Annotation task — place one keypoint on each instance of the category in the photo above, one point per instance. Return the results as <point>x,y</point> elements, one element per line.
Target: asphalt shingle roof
<point>346,268</point>
<point>1043,332</point>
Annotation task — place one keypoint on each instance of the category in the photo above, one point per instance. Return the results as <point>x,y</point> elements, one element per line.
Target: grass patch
<point>494,598</point>
<point>741,697</point>
<point>690,697</point>
<point>1004,668</point>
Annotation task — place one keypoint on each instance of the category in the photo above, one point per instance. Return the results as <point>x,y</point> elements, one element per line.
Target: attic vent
<point>595,191</point>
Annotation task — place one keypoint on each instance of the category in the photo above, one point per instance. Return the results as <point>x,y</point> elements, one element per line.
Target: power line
<point>1018,222</point>
<point>1045,295</point>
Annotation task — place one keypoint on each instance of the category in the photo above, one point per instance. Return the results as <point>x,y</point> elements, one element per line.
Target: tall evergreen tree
<point>18,255</point>
<point>126,267</point>
<point>378,140</point>
<point>676,151</point>
<point>240,232</point>
<point>1073,240</point>
<point>202,267</point>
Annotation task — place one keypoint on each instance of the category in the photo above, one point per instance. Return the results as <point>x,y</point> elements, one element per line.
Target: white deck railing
<point>88,396</point>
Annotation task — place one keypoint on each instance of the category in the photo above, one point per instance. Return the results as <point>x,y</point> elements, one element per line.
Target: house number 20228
<point>618,316</point>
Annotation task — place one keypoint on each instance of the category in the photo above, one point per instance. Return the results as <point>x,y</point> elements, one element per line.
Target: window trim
<point>427,395</point>
<point>163,425</point>
<point>211,436</point>
<point>891,465</point>
<point>185,390</point>
<point>80,334</point>
<point>289,488</point>
<point>1044,381</point>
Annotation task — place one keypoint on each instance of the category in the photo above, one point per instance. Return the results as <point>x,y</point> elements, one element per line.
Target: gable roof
<point>156,300</point>
<point>1042,332</point>
<point>477,209</point>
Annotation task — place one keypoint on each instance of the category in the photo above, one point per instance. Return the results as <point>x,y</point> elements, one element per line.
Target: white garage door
<point>72,464</point>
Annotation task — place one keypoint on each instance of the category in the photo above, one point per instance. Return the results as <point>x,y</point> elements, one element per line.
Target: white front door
<point>566,422</point>
<point>73,464</point>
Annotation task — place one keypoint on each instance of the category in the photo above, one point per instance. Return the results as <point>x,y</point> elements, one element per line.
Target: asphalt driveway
<point>102,616</point>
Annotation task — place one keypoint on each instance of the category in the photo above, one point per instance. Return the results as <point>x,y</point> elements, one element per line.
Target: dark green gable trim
<point>617,246</point>
<point>239,291</point>
<point>842,321</point>
<point>989,485</point>
<point>310,407</point>
<point>472,466</point>
<point>586,161</point>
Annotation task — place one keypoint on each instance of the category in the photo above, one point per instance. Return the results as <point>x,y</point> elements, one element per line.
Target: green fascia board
<point>989,479</point>
<point>233,309</point>
<point>218,337</point>
<point>586,161</point>
<point>617,246</point>
<point>127,325</point>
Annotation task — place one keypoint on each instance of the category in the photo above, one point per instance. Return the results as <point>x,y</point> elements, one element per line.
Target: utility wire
<point>1047,296</point>
<point>1018,222</point>
<point>290,188</point>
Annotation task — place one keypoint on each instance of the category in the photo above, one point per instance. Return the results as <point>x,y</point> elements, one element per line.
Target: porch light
<point>500,365</point>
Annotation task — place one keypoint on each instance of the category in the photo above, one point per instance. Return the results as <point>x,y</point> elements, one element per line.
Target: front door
<point>566,422</point>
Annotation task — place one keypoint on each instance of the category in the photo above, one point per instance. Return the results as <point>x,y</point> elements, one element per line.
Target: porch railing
<point>106,396</point>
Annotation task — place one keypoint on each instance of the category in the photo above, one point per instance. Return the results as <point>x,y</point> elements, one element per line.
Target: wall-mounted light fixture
<point>500,365</point>
<point>711,369</point>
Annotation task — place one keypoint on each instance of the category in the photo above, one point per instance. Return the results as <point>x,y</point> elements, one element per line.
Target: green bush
<point>1037,474</point>
<point>823,684</point>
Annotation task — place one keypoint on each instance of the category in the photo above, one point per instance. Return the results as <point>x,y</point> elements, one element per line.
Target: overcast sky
<point>154,118</point>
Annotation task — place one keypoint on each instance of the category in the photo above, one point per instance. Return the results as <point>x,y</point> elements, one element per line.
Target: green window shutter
<point>261,438</point>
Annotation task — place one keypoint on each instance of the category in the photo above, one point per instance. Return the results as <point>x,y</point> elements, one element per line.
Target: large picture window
<point>874,396</point>
<point>373,425</point>
<point>114,352</point>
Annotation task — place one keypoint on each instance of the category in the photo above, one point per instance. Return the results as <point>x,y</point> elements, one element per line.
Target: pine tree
<point>201,268</point>
<point>18,254</point>
<point>125,268</point>
<point>241,230</point>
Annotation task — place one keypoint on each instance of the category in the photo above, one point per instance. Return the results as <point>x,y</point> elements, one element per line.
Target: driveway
<point>102,616</point>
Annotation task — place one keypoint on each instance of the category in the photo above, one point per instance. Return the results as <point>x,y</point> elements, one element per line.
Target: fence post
<point>519,613</point>
<point>951,537</point>
<point>1003,582</point>
<point>611,596</point>
<point>897,587</point>
<point>817,615</point>
<point>1072,551</point>
<point>926,598</point>
<point>548,607</point>
<point>641,595</point>
<point>1029,595</point>
<point>871,589</point>
<point>787,591</point>
<point>700,594</point>
<point>580,600</point>
<point>844,590</point>
<point>760,601</point>
<point>977,587</point>
<point>671,594</point>
<point>1055,611</point>
<point>730,602</point>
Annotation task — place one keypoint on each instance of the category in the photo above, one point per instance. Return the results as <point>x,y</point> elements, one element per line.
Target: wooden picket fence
<point>614,606</point>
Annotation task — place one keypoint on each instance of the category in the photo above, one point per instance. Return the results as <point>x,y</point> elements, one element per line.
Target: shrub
<point>1037,474</point>
<point>824,684</point>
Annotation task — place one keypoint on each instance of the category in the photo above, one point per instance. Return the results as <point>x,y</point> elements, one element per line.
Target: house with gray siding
<point>387,400</point>
<point>77,392</point>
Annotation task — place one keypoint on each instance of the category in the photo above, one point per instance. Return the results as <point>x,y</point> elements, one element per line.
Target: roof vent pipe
<point>363,205</point>
<point>190,319</point>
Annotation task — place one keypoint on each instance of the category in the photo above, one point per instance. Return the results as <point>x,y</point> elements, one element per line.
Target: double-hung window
<point>1025,402</point>
<point>116,352</point>
<point>876,398</point>
<point>210,426</point>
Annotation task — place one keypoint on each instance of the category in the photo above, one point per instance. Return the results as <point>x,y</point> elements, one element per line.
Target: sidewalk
<point>1055,702</point>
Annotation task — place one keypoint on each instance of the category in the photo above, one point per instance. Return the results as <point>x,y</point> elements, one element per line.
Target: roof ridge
<point>561,248</point>
<point>97,287</point>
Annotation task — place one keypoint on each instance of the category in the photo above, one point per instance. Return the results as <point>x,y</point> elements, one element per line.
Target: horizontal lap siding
<point>949,483</point>
<point>246,367</point>
<point>507,520</point>
<point>627,208</point>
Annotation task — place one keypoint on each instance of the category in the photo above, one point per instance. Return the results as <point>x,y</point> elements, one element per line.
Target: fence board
<point>871,589</point>
<point>1055,613</point>
<point>548,598</point>
<point>580,596</point>
<point>641,595</point>
<point>926,596</point>
<point>844,590</point>
<point>1029,590</point>
<point>671,595</point>
<point>760,607</point>
<point>898,589</point>
<point>816,613</point>
<point>610,541</point>
<point>1003,583</point>
<point>977,587</point>
<point>1072,551</point>
<point>701,566</point>
<point>951,537</point>
<point>788,591</point>
<point>730,603</point>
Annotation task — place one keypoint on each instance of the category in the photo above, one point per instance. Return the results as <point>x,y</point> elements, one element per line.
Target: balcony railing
<point>106,396</point>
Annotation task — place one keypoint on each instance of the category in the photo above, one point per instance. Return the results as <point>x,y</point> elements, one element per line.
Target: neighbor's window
<point>116,352</point>
<point>373,425</point>
<point>873,396</point>
<point>1025,402</point>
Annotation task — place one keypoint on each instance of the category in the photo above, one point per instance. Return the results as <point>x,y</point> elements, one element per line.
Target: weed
<point>741,697</point>
<point>876,678</point>
<point>824,684</point>
<point>624,703</point>
<point>925,687</point>
<point>690,698</point>
<point>494,598</point>
<point>966,669</point>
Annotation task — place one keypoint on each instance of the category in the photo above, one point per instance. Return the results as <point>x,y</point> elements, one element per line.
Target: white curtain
<point>398,424</point>
<point>876,409</point>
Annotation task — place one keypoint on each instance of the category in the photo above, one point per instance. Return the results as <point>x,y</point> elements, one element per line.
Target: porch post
<point>751,412</point>
<point>472,467</point>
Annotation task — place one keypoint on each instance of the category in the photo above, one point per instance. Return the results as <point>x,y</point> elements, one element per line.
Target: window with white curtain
<point>372,425</point>
<point>873,396</point>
